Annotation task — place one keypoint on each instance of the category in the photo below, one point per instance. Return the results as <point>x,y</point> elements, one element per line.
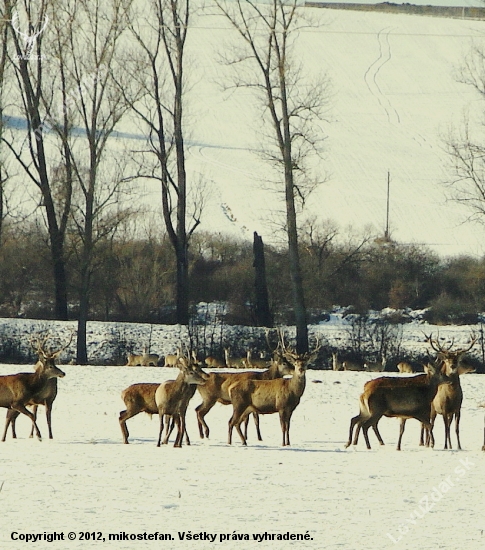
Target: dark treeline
<point>133,279</point>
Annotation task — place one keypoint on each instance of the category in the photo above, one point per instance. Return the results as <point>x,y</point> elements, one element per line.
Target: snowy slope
<point>394,96</point>
<point>86,480</point>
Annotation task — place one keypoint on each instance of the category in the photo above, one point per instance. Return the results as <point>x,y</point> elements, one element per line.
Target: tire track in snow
<point>370,76</point>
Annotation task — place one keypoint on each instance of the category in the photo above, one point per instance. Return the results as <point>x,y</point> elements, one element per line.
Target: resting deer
<point>17,391</point>
<point>143,360</point>
<point>172,398</point>
<point>216,390</point>
<point>215,362</point>
<point>375,366</point>
<point>172,360</point>
<point>257,363</point>
<point>352,365</point>
<point>405,367</point>
<point>449,397</point>
<point>409,397</point>
<point>47,394</point>
<point>281,395</point>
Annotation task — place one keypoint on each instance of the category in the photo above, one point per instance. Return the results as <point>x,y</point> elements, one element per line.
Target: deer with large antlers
<point>281,395</point>
<point>18,391</point>
<point>216,390</point>
<point>449,397</point>
<point>404,398</point>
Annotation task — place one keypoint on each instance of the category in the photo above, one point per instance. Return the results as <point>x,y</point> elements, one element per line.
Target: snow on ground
<point>86,480</point>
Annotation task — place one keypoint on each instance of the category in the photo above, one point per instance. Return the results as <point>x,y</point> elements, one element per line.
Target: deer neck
<point>271,373</point>
<point>297,382</point>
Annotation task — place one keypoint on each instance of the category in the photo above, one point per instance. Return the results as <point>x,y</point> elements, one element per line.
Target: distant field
<point>458,12</point>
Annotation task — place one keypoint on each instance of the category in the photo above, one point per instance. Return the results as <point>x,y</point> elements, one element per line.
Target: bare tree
<point>3,64</point>
<point>160,30</point>
<point>466,146</point>
<point>290,106</point>
<point>87,43</point>
<point>27,22</point>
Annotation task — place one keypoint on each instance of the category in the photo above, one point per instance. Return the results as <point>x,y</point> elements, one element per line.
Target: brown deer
<point>216,390</point>
<point>352,365</point>
<point>48,393</point>
<point>172,398</point>
<point>171,360</point>
<point>398,397</point>
<point>280,395</point>
<point>138,398</point>
<point>144,360</point>
<point>449,397</point>
<point>257,363</point>
<point>215,362</point>
<point>405,367</point>
<point>375,366</point>
<point>17,391</point>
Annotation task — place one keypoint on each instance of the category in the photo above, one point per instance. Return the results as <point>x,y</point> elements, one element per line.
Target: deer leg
<point>355,420</point>
<point>201,411</point>
<point>421,436</point>
<point>256,423</point>
<point>168,429</point>
<point>34,412</point>
<point>378,435</point>
<point>160,430</point>
<point>432,420</point>
<point>401,432</point>
<point>447,423</point>
<point>23,409</point>
<point>10,420</point>
<point>181,430</point>
<point>124,416</point>
<point>457,428</point>
<point>48,415</point>
<point>235,421</point>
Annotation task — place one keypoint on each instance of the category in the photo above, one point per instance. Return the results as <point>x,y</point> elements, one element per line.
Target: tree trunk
<point>182,286</point>
<point>261,308</point>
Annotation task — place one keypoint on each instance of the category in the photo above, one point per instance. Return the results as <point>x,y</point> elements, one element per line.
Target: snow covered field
<point>86,480</point>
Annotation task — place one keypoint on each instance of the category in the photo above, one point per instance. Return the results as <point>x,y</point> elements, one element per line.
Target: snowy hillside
<point>394,98</point>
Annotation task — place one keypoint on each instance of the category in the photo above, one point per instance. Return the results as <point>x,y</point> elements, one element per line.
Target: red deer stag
<point>141,398</point>
<point>281,395</point>
<point>172,398</point>
<point>449,397</point>
<point>17,391</point>
<point>216,390</point>
<point>398,397</point>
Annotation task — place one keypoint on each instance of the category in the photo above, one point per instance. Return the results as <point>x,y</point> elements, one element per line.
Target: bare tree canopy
<point>291,106</point>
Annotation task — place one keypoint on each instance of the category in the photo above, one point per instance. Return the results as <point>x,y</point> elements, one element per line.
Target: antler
<point>448,350</point>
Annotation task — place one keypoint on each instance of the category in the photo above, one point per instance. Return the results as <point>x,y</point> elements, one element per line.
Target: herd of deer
<point>423,396</point>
